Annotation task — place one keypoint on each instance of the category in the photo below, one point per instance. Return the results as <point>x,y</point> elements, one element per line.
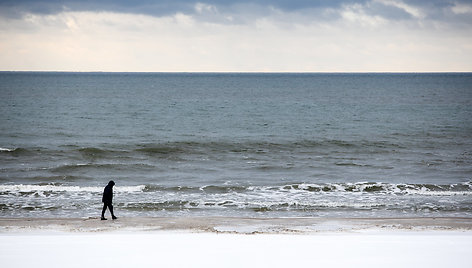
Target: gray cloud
<point>161,7</point>
<point>140,6</point>
<point>157,7</point>
<point>247,35</point>
<point>439,10</point>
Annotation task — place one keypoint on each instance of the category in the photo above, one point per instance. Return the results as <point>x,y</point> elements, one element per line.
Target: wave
<point>359,187</point>
<point>210,147</point>
<point>15,151</point>
<point>73,167</point>
<point>25,188</point>
<point>162,149</point>
<point>193,189</point>
<point>92,150</point>
<point>110,166</point>
<point>385,188</point>
<point>297,198</point>
<point>327,188</point>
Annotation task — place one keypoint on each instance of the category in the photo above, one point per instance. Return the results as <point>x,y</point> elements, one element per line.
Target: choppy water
<point>263,145</point>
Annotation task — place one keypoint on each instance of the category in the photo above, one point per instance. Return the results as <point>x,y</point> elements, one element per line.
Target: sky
<point>236,36</point>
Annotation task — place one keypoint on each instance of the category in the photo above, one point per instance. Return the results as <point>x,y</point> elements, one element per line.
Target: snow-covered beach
<point>236,242</point>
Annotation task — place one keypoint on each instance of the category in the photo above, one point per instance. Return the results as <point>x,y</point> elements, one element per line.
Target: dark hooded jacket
<point>108,193</point>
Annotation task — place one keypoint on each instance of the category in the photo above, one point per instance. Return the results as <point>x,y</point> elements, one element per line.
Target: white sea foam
<point>382,188</point>
<point>6,150</point>
<point>437,193</point>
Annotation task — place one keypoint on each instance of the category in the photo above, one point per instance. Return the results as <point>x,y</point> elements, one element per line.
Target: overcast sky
<point>236,36</point>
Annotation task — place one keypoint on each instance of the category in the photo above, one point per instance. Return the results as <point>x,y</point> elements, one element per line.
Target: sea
<point>236,144</point>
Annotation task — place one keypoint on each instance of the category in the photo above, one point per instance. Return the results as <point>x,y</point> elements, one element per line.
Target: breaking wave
<point>377,188</point>
<point>294,199</point>
<point>359,187</point>
<point>386,188</point>
<point>20,188</point>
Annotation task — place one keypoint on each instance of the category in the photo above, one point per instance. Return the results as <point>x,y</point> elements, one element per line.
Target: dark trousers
<point>110,207</point>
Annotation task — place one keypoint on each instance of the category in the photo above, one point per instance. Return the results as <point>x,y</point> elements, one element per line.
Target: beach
<point>236,242</point>
<point>231,225</point>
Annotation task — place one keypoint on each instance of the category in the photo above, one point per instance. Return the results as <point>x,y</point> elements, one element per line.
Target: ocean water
<point>236,144</point>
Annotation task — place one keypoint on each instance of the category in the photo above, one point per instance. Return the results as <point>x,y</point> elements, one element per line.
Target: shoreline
<point>235,225</point>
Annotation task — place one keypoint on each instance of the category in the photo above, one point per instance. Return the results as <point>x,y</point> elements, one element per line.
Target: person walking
<point>107,200</point>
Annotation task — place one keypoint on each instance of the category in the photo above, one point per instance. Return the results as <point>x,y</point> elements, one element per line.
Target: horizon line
<point>243,72</point>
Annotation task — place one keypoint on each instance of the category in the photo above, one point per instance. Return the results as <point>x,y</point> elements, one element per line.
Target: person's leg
<point>103,211</point>
<point>110,207</point>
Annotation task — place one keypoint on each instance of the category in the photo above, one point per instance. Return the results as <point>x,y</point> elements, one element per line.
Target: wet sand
<point>233,225</point>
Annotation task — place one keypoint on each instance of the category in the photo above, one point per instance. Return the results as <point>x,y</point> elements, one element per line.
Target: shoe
<point>103,219</point>
<point>114,218</point>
